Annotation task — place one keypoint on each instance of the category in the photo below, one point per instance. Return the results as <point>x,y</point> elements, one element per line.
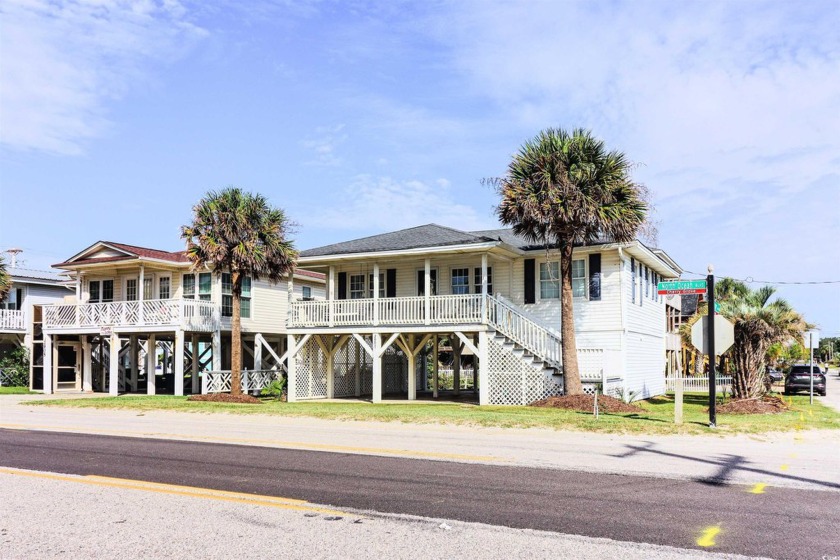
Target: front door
<point>68,366</point>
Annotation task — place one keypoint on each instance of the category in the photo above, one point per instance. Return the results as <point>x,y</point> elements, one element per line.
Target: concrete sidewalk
<point>809,459</point>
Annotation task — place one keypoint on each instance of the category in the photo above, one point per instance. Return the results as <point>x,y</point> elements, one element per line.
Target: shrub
<point>14,368</point>
<point>274,389</point>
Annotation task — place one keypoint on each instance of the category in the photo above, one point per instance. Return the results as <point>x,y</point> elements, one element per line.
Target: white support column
<point>435,358</point>
<point>179,363</point>
<point>330,355</point>
<point>331,296</point>
<point>427,291</point>
<point>456,363</point>
<point>217,350</point>
<point>87,366</point>
<point>134,366</point>
<point>290,289</point>
<point>114,365</point>
<point>359,361</point>
<point>48,373</point>
<point>412,370</point>
<point>78,297</point>
<point>376,294</point>
<point>377,368</point>
<point>141,297</point>
<point>291,384</point>
<point>484,285</point>
<point>258,348</point>
<point>151,365</point>
<point>483,369</point>
<point>195,357</point>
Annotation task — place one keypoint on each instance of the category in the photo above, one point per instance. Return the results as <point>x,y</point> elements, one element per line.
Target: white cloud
<point>63,62</point>
<point>324,145</point>
<point>379,204</point>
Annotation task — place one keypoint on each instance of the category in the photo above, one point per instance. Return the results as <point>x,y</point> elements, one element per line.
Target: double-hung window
<point>148,287</point>
<point>477,280</point>
<point>131,289</point>
<point>205,286</point>
<point>164,287</point>
<point>11,302</point>
<point>357,286</point>
<point>188,284</point>
<point>549,280</point>
<point>306,292</point>
<point>460,281</point>
<point>381,285</point>
<point>227,297</point>
<point>579,278</point>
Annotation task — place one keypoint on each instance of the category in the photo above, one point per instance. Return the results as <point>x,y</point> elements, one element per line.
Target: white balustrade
<point>250,380</point>
<point>189,314</point>
<point>509,320</point>
<point>699,384</point>
<point>12,320</point>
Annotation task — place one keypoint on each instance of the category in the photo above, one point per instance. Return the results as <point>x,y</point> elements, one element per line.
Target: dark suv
<point>799,379</point>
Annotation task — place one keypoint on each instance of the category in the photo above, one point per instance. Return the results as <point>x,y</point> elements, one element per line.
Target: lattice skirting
<point>348,361</point>
<point>613,388</point>
<point>514,382</point>
<point>311,372</point>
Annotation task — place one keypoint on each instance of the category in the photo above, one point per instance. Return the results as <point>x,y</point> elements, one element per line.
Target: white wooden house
<point>143,321</point>
<point>20,312</point>
<point>495,297</point>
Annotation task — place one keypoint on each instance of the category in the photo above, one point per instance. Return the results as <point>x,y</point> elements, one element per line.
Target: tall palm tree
<point>565,188</point>
<point>759,323</point>
<point>5,280</point>
<point>238,232</point>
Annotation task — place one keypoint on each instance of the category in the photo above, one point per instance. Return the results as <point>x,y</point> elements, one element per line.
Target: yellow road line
<point>707,537</point>
<point>784,467</point>
<point>275,443</point>
<point>187,491</point>
<point>758,488</point>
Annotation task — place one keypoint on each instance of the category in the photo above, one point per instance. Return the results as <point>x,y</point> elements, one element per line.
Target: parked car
<point>775,375</point>
<point>799,379</point>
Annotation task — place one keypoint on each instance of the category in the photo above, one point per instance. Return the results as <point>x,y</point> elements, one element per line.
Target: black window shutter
<point>595,277</point>
<point>633,284</point>
<point>391,282</point>
<point>530,281</point>
<point>342,285</point>
<point>19,301</point>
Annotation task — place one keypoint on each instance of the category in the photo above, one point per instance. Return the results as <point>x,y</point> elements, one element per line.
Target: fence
<point>251,380</point>
<point>699,384</point>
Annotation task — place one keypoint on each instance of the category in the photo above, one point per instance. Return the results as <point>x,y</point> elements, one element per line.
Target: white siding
<point>645,339</point>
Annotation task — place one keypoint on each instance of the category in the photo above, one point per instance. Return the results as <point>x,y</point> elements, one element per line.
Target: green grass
<point>657,418</point>
<point>15,391</point>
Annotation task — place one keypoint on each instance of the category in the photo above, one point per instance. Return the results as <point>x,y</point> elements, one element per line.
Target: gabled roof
<point>429,235</point>
<point>116,252</point>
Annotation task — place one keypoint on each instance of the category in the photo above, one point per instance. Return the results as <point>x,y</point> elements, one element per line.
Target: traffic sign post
<point>710,280</point>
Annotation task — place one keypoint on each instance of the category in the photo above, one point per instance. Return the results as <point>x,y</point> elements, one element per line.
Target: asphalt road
<point>779,523</point>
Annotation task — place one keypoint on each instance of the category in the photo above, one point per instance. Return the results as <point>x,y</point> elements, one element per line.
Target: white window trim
<point>436,271</point>
<point>100,279</point>
<point>156,284</point>
<point>584,297</point>
<point>468,285</point>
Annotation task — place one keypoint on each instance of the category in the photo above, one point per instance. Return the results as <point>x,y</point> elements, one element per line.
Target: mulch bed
<point>763,405</point>
<point>585,403</point>
<point>226,398</point>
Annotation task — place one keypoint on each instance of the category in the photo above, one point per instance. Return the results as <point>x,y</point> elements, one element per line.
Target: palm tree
<point>5,280</point>
<point>239,232</point>
<point>759,323</point>
<point>563,189</point>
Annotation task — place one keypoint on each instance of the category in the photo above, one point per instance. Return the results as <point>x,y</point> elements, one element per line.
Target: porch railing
<point>189,314</point>
<point>699,384</point>
<point>538,339</point>
<point>251,380</point>
<point>12,320</point>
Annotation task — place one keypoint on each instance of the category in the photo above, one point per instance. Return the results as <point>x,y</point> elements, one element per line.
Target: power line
<point>751,280</point>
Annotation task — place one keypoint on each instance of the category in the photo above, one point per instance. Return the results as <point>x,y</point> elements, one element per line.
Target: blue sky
<point>364,117</point>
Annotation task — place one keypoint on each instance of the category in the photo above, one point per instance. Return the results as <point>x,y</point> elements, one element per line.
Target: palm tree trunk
<point>236,336</point>
<point>568,344</point>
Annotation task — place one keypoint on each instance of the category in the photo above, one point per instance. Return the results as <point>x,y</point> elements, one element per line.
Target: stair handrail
<point>530,316</point>
<point>511,321</point>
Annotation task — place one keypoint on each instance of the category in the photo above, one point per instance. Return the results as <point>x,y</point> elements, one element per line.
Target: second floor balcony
<point>12,320</point>
<point>190,315</point>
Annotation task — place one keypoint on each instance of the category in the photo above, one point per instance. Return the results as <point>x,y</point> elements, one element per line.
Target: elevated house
<point>21,311</point>
<point>142,320</point>
<point>494,298</point>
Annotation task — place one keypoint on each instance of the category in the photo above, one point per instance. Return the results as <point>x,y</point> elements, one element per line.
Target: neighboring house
<point>20,312</point>
<point>491,293</point>
<point>144,321</point>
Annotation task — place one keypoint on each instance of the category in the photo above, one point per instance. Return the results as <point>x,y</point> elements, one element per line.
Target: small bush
<point>14,368</point>
<point>275,389</point>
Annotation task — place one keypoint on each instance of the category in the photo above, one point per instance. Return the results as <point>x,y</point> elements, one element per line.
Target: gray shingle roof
<point>430,235</point>
<point>28,273</point>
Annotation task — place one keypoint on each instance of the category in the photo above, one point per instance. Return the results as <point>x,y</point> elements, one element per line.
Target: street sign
<point>812,339</point>
<point>717,307</point>
<point>724,335</point>
<point>681,287</point>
